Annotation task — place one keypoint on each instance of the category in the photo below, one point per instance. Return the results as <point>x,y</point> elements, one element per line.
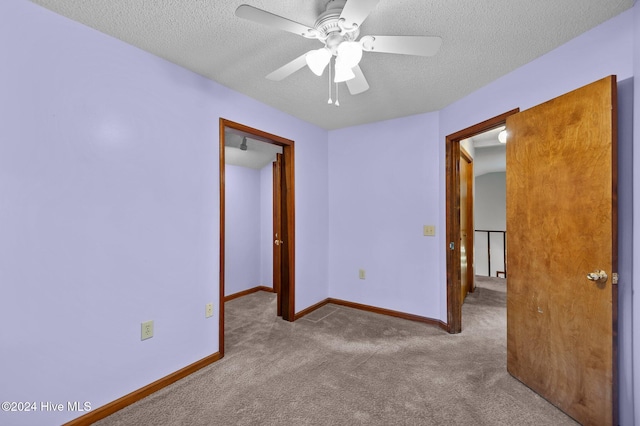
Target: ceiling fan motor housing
<point>332,33</point>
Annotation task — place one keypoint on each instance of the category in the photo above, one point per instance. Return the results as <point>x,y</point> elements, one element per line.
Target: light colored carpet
<point>341,366</point>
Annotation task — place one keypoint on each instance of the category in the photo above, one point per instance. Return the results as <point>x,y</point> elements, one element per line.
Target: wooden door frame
<point>288,153</point>
<point>452,161</point>
<point>470,243</point>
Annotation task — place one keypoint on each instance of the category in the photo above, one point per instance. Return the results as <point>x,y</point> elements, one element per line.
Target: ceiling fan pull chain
<point>329,101</point>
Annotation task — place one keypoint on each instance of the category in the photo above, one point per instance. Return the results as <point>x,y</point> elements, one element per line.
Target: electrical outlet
<point>361,274</point>
<point>429,230</point>
<point>147,330</point>
<point>208,310</point>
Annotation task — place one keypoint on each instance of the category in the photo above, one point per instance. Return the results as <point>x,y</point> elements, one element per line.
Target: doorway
<point>457,204</point>
<point>284,219</point>
<point>561,191</point>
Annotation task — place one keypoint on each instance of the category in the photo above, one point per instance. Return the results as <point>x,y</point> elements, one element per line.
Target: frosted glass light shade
<point>502,136</point>
<point>343,73</point>
<point>317,60</point>
<point>349,53</point>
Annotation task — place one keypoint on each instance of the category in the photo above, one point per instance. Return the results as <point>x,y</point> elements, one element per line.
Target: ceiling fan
<point>338,29</point>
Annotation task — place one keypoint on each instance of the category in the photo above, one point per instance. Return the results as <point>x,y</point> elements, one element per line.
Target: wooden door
<point>466,224</point>
<point>282,241</point>
<point>277,233</point>
<point>562,225</point>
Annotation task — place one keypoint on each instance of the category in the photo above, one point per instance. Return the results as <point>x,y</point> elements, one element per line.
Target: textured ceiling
<point>482,40</point>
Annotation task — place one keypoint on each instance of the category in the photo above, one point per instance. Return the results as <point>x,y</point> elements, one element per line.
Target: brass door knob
<point>598,275</point>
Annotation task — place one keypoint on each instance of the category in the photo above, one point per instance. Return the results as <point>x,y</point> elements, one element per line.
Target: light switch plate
<point>209,310</point>
<point>362,274</point>
<point>429,230</point>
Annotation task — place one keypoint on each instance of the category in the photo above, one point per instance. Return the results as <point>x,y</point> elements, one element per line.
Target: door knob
<point>599,275</point>
<point>278,242</point>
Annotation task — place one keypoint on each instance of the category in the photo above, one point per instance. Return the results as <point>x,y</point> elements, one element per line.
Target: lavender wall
<point>109,211</point>
<point>625,245</point>
<point>382,191</point>
<point>635,373</point>
<point>107,166</point>
<point>242,230</point>
<point>266,226</point>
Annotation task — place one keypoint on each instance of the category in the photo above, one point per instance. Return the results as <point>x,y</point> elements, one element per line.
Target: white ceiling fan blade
<point>405,45</point>
<point>265,18</point>
<point>356,11</point>
<point>358,84</point>
<point>288,69</point>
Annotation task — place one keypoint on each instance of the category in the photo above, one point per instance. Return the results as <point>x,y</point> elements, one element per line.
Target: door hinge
<point>452,245</point>
<point>614,278</point>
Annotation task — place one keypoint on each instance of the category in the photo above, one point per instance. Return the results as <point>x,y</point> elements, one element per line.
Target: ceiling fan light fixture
<point>343,73</point>
<point>317,60</point>
<point>349,53</point>
<point>502,136</point>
